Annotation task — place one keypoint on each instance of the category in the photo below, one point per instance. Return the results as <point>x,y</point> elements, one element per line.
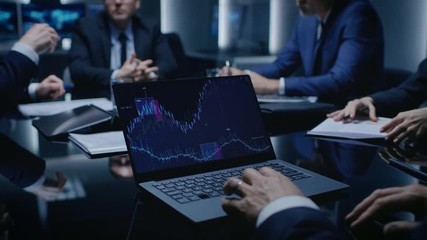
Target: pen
<point>227,65</point>
<point>362,109</point>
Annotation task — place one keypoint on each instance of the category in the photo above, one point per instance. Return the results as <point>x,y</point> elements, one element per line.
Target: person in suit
<point>409,95</point>
<point>278,209</point>
<point>28,172</point>
<point>20,65</point>
<point>339,45</point>
<point>96,56</point>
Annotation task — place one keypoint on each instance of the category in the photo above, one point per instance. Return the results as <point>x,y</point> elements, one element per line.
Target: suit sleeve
<point>286,63</point>
<point>297,223</point>
<point>408,95</point>
<point>82,70</point>
<point>21,167</point>
<point>16,72</point>
<point>361,38</point>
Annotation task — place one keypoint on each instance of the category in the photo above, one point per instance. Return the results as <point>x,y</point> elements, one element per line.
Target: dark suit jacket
<point>18,165</point>
<point>297,223</point>
<point>16,72</point>
<point>408,95</point>
<point>307,223</point>
<point>91,49</point>
<point>350,50</point>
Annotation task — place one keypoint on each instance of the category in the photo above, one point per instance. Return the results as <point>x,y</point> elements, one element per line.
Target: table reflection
<point>120,166</point>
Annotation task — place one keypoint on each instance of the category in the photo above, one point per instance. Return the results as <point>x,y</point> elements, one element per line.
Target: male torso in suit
<point>345,62</point>
<point>16,72</point>
<point>21,167</point>
<point>307,223</point>
<point>408,95</point>
<point>90,53</point>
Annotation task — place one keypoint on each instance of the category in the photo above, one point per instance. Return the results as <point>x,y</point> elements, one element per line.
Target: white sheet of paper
<point>356,129</point>
<point>97,143</point>
<point>54,107</point>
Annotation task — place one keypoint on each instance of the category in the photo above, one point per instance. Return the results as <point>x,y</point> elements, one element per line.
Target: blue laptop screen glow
<point>184,122</point>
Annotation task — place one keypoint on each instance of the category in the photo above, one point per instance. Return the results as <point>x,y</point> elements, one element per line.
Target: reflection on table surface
<point>99,199</point>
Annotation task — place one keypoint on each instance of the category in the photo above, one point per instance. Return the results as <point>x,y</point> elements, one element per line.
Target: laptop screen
<point>191,122</point>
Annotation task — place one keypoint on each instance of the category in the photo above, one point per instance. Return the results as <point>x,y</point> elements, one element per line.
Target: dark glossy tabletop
<point>100,199</point>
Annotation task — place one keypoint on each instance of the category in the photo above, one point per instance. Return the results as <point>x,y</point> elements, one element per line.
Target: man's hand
<point>353,108</point>
<point>51,88</point>
<point>51,187</point>
<point>145,71</point>
<point>256,189</point>
<point>262,85</point>
<point>40,37</point>
<point>410,124</point>
<point>412,198</point>
<point>136,70</point>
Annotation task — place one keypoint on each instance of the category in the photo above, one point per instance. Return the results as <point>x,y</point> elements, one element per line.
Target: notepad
<point>105,143</point>
<point>361,128</point>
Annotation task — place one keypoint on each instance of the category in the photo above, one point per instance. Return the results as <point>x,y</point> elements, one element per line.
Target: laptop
<point>185,137</point>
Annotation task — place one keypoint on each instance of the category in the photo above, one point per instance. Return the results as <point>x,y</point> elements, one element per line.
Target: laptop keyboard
<point>210,185</point>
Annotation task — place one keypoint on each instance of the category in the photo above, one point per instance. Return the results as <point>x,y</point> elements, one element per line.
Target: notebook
<point>186,137</point>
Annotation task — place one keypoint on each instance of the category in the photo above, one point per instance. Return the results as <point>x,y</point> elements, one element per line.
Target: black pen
<point>358,110</point>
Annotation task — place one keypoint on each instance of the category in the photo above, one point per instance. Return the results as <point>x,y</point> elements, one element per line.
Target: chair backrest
<point>178,51</point>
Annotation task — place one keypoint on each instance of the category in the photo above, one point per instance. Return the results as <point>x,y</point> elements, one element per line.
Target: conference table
<point>100,200</point>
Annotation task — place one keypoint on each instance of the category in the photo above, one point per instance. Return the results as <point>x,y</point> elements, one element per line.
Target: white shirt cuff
<point>32,90</point>
<point>284,203</point>
<point>114,75</point>
<point>282,86</point>
<point>27,51</point>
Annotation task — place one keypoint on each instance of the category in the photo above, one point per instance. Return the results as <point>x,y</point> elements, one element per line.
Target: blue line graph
<point>206,131</point>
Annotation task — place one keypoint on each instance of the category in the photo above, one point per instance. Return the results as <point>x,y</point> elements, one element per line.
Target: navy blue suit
<point>16,72</point>
<point>408,95</point>
<point>20,167</point>
<point>346,62</point>
<point>90,53</point>
<point>307,223</point>
<point>297,223</point>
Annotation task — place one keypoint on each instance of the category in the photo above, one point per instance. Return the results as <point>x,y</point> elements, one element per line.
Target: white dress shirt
<point>115,62</point>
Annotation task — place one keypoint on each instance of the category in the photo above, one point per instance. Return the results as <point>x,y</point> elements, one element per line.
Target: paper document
<point>356,129</point>
<point>100,143</point>
<point>54,107</point>
<point>275,98</point>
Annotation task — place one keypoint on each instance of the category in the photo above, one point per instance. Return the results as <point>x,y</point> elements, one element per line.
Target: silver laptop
<point>186,137</point>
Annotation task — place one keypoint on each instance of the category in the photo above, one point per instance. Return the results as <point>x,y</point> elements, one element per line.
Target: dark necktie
<point>122,40</point>
<point>318,53</point>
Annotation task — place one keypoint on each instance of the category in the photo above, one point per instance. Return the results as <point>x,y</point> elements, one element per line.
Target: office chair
<point>178,51</point>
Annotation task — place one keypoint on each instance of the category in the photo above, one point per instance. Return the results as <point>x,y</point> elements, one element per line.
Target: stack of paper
<point>355,129</point>
<point>100,143</point>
